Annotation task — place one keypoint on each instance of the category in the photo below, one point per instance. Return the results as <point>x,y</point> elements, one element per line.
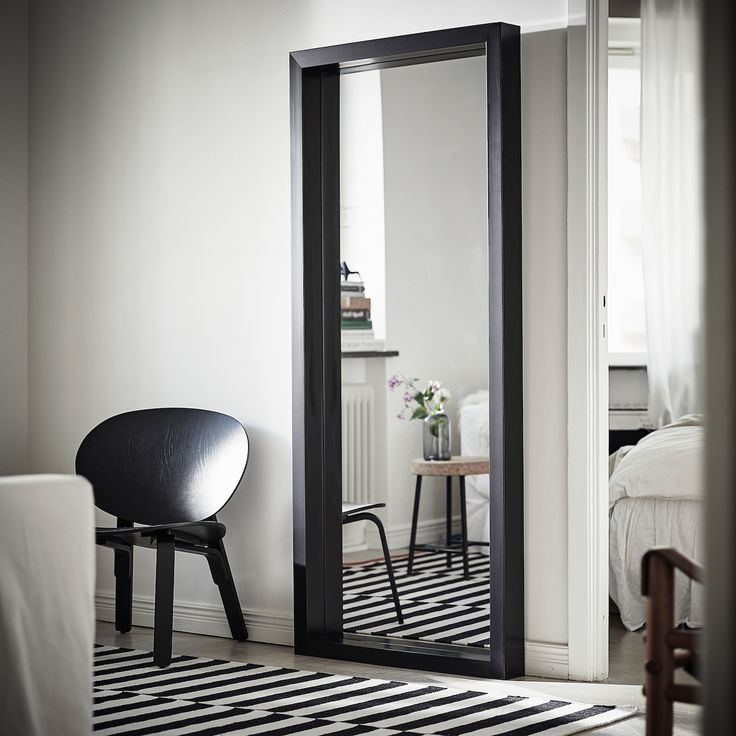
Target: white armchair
<point>47,616</point>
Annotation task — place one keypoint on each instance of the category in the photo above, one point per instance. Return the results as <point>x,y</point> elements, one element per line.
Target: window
<point>627,342</point>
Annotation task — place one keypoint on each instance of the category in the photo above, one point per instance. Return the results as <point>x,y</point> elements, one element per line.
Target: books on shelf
<point>355,314</point>
<point>360,344</point>
<point>352,287</point>
<point>355,318</point>
<point>350,301</point>
<point>356,324</point>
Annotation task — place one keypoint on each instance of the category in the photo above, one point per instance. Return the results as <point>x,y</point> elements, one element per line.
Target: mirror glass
<point>414,323</point>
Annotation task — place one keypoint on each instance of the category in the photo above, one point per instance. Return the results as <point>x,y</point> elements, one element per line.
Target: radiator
<point>357,442</point>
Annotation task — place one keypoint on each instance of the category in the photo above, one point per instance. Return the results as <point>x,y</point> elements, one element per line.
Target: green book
<point>356,324</point>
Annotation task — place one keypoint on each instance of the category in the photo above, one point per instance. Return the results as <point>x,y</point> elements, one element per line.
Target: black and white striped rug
<point>437,602</point>
<point>209,696</point>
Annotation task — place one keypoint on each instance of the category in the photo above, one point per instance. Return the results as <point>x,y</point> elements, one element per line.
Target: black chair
<point>359,512</point>
<point>170,470</point>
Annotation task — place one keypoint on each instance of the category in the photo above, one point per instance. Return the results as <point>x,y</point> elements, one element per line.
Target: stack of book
<point>355,318</point>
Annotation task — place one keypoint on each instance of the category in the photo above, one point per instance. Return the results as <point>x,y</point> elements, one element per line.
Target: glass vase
<point>436,435</point>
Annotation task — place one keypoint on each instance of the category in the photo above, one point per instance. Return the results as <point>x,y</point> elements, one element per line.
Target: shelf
<point>370,354</point>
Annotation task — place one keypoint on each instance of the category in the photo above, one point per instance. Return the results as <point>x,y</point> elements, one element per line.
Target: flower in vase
<point>422,403</point>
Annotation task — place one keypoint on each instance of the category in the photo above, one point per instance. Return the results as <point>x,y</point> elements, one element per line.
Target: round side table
<point>457,466</point>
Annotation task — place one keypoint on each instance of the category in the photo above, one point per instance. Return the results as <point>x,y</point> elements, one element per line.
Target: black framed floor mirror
<point>407,303</point>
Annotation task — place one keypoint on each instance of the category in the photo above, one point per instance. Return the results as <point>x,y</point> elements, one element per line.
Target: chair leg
<point>124,589</point>
<point>163,616</point>
<point>386,558</point>
<point>414,522</point>
<point>223,579</point>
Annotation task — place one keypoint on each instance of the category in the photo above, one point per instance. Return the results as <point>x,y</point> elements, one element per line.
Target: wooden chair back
<point>161,466</point>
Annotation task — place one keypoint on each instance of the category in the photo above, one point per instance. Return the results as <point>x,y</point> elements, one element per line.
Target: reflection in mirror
<point>414,245</point>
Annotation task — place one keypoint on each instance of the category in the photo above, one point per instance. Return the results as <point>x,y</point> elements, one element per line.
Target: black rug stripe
<point>409,709</point>
<point>317,701</point>
<point>580,715</point>
<point>184,673</point>
<point>345,708</point>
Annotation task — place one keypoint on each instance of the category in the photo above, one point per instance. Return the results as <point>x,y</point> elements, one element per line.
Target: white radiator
<point>357,442</point>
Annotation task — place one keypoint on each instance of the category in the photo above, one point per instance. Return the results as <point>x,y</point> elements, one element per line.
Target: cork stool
<point>457,466</point>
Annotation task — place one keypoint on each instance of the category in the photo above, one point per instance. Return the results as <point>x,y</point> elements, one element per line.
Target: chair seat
<point>194,532</point>
<point>356,508</point>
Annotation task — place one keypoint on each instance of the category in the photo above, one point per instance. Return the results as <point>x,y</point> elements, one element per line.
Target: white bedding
<point>474,441</point>
<point>47,617</point>
<point>636,525</point>
<point>664,464</point>
<point>654,492</point>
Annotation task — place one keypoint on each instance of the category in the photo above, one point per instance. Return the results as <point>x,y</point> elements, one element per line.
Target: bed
<point>655,498</point>
<point>474,440</point>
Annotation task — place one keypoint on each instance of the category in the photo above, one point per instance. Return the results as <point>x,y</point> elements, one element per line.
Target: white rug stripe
<point>280,700</point>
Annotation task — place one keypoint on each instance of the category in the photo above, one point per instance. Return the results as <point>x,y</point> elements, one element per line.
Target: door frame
<point>587,350</point>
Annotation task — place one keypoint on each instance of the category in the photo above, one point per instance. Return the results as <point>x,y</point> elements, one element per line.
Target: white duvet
<point>665,464</point>
<point>474,441</point>
<point>655,492</point>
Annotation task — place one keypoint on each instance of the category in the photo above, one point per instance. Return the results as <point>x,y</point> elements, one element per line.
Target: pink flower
<point>394,381</point>
<point>408,397</point>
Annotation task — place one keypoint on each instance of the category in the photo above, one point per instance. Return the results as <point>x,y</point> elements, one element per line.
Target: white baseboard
<point>202,618</point>
<point>541,658</point>
<point>428,532</point>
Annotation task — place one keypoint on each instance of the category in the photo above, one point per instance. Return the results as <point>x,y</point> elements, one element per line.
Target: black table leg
<point>414,522</point>
<point>448,520</point>
<point>464,521</point>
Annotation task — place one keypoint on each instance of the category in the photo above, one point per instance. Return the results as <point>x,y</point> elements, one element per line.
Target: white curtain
<point>672,243</point>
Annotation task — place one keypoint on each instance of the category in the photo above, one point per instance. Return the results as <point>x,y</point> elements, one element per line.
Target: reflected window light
<point>627,338</point>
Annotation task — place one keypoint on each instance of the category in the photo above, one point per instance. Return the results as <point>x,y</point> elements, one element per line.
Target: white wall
<point>544,214</point>
<point>159,251</point>
<point>436,253</point>
<point>362,243</point>
<point>13,237</point>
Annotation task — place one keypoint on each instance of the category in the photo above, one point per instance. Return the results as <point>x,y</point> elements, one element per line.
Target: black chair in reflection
<point>360,512</point>
<point>170,470</point>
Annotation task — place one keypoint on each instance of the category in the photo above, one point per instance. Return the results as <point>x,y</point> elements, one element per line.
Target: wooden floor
<point>623,669</point>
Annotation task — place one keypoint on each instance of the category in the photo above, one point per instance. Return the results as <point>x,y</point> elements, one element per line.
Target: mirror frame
<point>316,378</point>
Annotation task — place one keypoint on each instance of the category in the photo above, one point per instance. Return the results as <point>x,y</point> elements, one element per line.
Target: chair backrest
<point>160,466</point>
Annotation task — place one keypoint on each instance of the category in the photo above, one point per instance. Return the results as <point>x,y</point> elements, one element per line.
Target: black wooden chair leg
<point>222,577</point>
<point>163,617</point>
<point>365,516</point>
<point>389,566</point>
<point>124,589</point>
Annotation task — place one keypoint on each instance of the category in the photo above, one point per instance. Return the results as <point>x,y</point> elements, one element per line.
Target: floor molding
<point>542,659</point>
<point>203,618</point>
<point>428,532</point>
